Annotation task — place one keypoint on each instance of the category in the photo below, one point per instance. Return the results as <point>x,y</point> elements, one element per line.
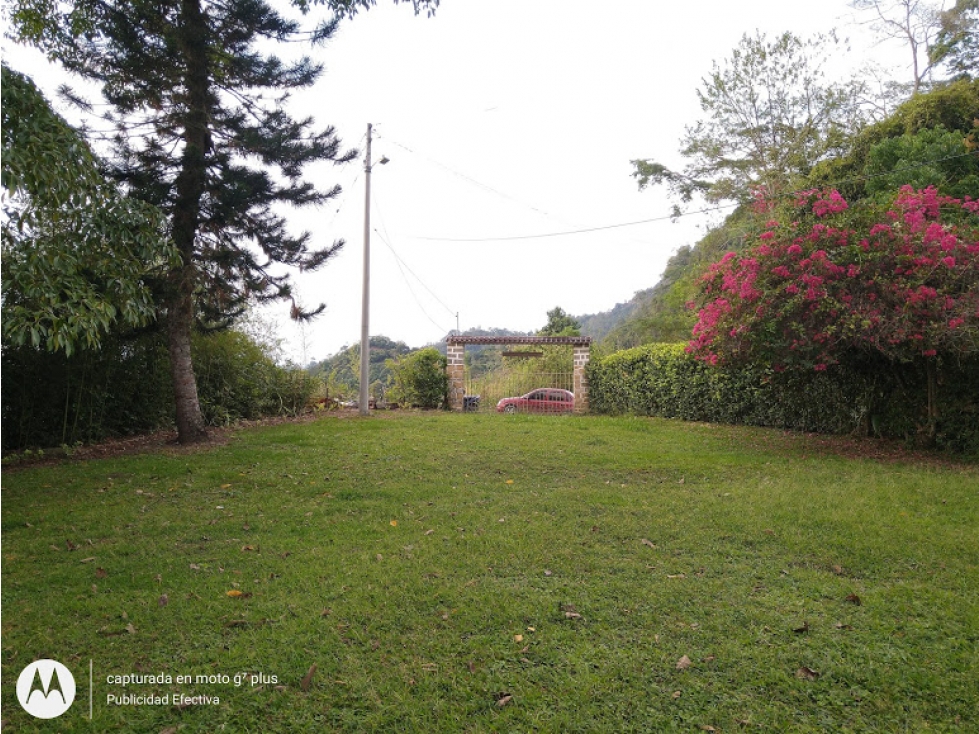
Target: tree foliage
<point>79,257</point>
<point>198,97</point>
<point>957,43</point>
<point>769,116</point>
<point>560,323</point>
<point>419,379</point>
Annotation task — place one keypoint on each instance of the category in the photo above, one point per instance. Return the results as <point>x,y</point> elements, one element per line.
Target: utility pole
<point>365,347</point>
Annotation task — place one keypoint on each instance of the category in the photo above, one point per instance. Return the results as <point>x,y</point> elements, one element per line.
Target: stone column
<point>581,357</point>
<point>456,370</point>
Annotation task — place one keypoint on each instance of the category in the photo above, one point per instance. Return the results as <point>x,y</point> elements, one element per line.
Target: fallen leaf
<point>683,663</point>
<point>71,546</point>
<point>101,573</point>
<point>308,678</point>
<point>130,629</point>
<point>841,626</point>
<point>248,547</point>
<point>676,575</point>
<point>509,481</point>
<point>169,730</point>
<point>648,543</point>
<point>194,567</point>
<point>707,727</point>
<point>234,593</point>
<point>394,523</point>
<point>806,673</point>
<point>225,486</point>
<point>768,531</point>
<point>326,612</point>
<point>502,699</point>
<point>429,532</point>
<point>164,600</point>
<point>570,612</point>
<point>676,695</point>
<point>853,599</point>
<point>87,560</point>
<point>518,638</point>
<point>838,570</point>
<point>804,628</point>
<point>548,572</point>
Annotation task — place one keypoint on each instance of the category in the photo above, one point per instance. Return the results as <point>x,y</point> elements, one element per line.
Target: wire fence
<point>485,391</point>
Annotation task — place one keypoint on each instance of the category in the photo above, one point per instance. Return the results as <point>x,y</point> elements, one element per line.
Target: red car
<point>544,400</point>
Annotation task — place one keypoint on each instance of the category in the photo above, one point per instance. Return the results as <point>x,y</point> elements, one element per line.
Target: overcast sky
<point>508,119</point>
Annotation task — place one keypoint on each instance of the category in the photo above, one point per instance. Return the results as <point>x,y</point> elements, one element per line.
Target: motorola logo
<point>45,689</point>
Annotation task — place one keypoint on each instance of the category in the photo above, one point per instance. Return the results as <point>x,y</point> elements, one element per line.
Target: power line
<point>400,262</point>
<point>676,216</point>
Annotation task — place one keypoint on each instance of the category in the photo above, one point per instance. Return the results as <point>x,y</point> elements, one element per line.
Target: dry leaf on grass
<point>676,695</point>
<point>503,698</point>
<point>804,628</point>
<point>806,673</point>
<point>853,599</point>
<point>648,543</point>
<point>101,573</point>
<point>308,678</point>
<point>164,600</point>
<point>683,663</point>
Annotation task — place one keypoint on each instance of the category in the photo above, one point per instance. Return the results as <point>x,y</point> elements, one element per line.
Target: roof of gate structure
<point>574,341</point>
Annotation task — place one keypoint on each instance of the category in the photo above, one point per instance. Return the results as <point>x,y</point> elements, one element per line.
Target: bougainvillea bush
<point>897,286</point>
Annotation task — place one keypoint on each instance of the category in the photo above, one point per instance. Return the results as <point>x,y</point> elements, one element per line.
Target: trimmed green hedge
<point>124,388</point>
<point>871,398</point>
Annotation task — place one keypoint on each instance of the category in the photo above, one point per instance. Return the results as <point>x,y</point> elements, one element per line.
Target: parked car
<point>542,400</point>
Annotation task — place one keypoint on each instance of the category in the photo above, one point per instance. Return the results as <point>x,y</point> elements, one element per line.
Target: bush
<point>125,388</point>
<point>858,395</point>
<point>419,379</point>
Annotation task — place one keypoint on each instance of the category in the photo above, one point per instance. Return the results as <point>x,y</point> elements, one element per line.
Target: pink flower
<point>929,353</point>
<point>949,261</point>
<point>820,367</point>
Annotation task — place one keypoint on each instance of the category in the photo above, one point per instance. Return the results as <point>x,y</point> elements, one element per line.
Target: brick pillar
<point>456,369</point>
<point>581,357</point>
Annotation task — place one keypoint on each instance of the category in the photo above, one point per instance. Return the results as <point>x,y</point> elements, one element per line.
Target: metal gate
<point>518,375</point>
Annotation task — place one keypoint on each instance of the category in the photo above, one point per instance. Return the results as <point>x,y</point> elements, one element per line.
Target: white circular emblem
<point>45,689</point>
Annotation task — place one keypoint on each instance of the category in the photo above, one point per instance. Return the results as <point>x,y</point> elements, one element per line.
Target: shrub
<point>861,396</point>
<point>419,379</point>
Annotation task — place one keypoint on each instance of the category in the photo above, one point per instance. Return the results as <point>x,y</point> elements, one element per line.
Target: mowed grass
<point>478,573</point>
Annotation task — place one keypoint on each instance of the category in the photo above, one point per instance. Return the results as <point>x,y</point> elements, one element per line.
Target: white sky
<point>506,118</point>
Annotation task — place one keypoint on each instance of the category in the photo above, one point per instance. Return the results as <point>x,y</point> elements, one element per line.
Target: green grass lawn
<point>454,573</point>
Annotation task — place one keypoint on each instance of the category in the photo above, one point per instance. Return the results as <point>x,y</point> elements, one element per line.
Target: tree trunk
<point>931,427</point>
<point>190,187</point>
<point>180,321</point>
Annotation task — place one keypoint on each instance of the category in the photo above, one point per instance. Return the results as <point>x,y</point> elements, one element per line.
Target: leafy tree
<point>78,255</point>
<point>198,98</point>
<point>957,43</point>
<point>902,285</point>
<point>769,117</point>
<point>419,379</point>
<point>560,323</point>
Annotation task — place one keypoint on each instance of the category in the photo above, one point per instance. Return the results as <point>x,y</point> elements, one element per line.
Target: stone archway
<point>456,368</point>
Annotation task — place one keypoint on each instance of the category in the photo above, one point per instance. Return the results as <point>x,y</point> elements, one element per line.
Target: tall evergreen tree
<point>198,104</point>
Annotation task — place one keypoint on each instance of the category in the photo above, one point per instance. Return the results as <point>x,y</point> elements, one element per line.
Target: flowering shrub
<point>905,286</point>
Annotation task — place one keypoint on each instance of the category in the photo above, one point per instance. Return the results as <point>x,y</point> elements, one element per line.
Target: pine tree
<point>198,103</point>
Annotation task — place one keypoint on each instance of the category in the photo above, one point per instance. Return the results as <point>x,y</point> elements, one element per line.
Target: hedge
<point>861,396</point>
